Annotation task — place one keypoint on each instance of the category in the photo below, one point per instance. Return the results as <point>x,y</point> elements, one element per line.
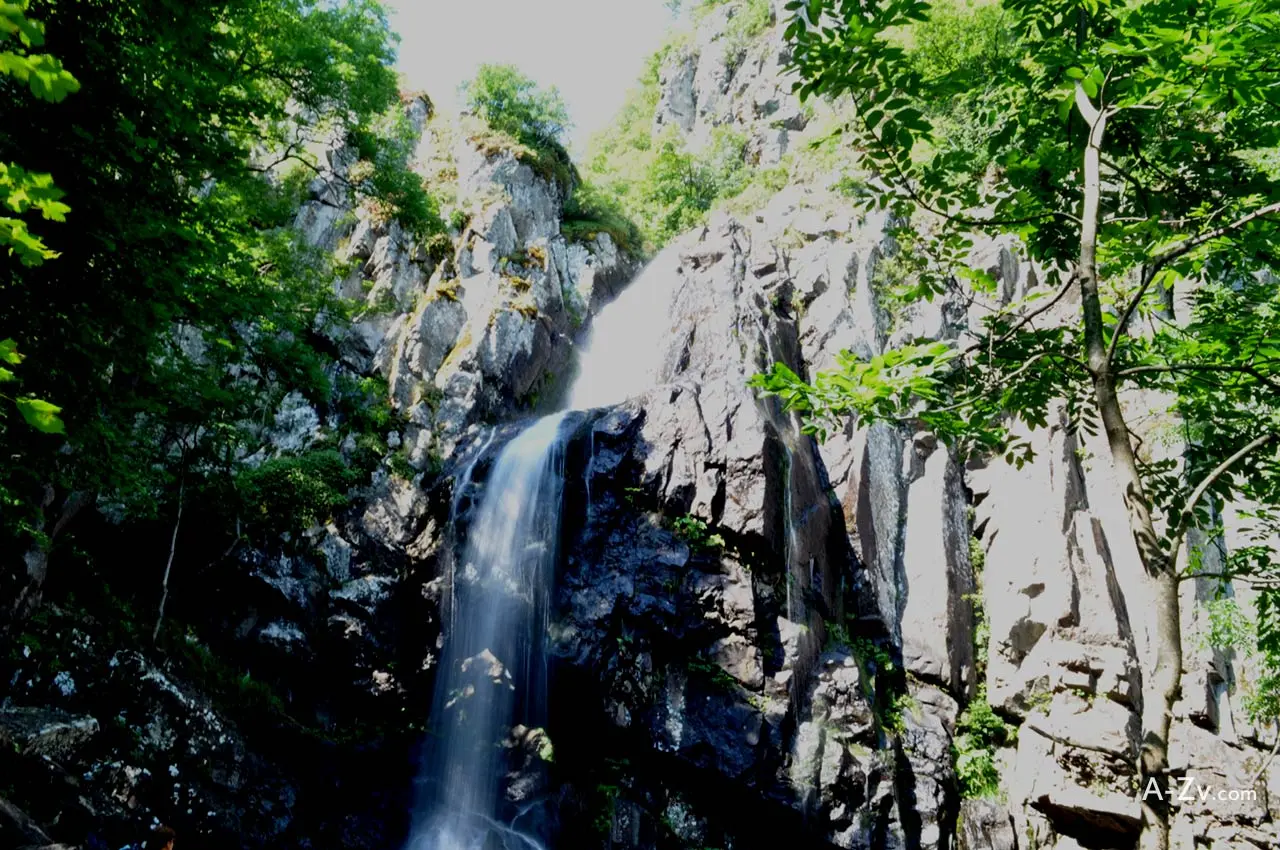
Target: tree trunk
<point>1160,685</point>
<point>168,567</point>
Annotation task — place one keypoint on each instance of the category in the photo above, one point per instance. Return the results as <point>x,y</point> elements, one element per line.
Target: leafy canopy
<point>511,102</point>
<point>22,191</point>
<point>535,119</point>
<point>183,302</point>
<point>1129,145</point>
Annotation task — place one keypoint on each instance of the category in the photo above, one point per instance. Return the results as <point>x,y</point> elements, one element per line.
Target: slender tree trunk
<point>1162,684</point>
<point>168,567</point>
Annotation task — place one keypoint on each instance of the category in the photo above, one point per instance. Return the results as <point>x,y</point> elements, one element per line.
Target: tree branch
<point>1221,469</point>
<point>1188,245</point>
<point>1026,320</point>
<point>173,546</point>
<point>905,185</point>
<point>1148,276</point>
<point>1249,580</point>
<point>1202,367</point>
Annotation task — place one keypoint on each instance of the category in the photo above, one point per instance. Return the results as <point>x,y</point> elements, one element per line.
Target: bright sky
<point>592,50</point>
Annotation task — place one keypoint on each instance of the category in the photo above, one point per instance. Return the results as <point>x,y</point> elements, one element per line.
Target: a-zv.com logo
<point>1188,789</point>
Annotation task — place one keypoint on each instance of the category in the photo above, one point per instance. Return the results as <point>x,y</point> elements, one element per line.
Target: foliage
<point>893,716</point>
<point>21,191</point>
<point>750,18</point>
<point>963,51</point>
<point>513,104</point>
<point>673,190</point>
<point>713,673</point>
<point>870,652</point>
<point>697,533</point>
<point>979,733</point>
<point>981,625</point>
<point>1231,628</point>
<point>182,300</point>
<point>590,212</point>
<point>39,414</point>
<point>654,180</point>
<point>1155,229</point>
<point>1125,145</point>
<point>386,146</point>
<point>296,490</point>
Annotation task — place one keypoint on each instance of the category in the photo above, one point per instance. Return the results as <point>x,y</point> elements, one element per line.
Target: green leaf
<point>9,352</point>
<point>40,415</point>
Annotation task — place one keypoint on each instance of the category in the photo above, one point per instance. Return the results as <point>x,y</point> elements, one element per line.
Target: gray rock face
<point>720,80</point>
<point>985,825</point>
<point>877,529</point>
<point>722,668</point>
<point>44,732</point>
<point>741,613</point>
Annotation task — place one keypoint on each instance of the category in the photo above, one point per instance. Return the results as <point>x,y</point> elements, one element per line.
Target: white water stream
<point>493,671</point>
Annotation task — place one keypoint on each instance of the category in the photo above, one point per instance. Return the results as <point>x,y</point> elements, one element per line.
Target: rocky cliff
<point>757,640</point>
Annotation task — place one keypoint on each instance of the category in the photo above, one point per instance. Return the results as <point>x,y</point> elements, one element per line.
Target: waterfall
<point>624,355</point>
<point>493,672</point>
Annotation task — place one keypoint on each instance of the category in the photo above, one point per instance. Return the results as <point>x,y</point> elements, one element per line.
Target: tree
<point>535,118</point>
<point>22,192</point>
<point>1131,148</point>
<point>510,102</point>
<point>182,305</point>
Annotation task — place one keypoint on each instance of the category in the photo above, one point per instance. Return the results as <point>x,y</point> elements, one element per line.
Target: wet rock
<point>985,825</point>
<point>38,731</point>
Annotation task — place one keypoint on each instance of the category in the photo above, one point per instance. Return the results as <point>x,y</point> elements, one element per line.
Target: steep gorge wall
<point>1065,629</point>
<point>339,626</point>
<point>811,669</point>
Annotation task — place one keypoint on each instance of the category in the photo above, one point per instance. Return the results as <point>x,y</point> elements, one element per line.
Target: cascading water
<point>493,673</point>
<point>493,669</point>
<point>624,356</point>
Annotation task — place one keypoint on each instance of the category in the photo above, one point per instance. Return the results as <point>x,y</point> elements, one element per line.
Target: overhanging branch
<point>1209,480</point>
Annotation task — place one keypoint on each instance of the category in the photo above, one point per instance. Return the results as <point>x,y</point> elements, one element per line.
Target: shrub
<point>697,533</point>
<point>513,104</point>
<point>590,211</point>
<point>979,732</point>
<point>383,178</point>
<point>293,492</point>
